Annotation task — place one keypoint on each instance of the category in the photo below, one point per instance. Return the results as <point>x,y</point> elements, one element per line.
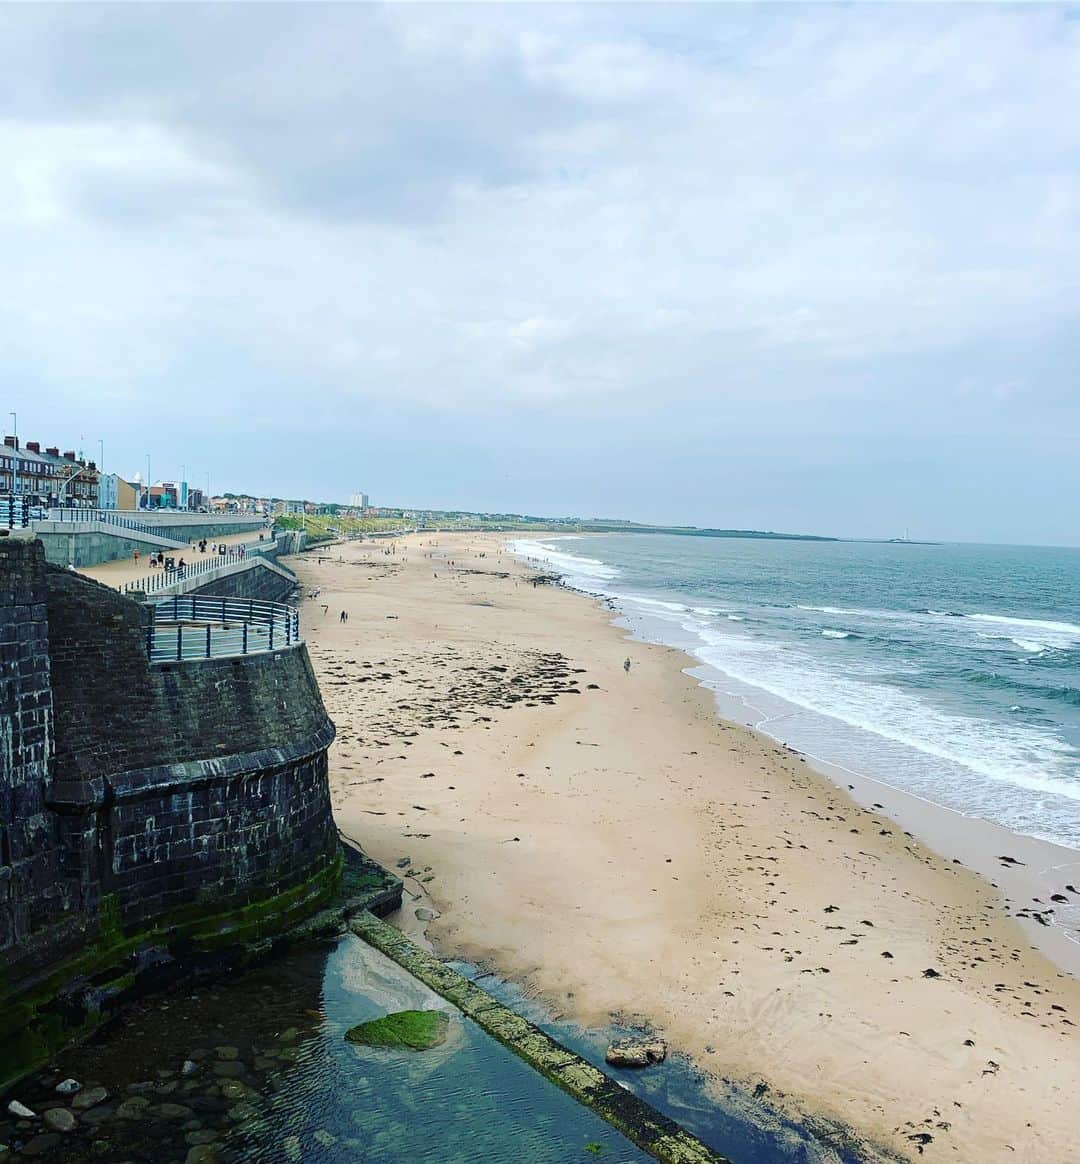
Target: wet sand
<point>606,839</point>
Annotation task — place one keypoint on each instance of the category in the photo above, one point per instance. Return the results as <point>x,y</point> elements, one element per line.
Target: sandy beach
<point>605,838</point>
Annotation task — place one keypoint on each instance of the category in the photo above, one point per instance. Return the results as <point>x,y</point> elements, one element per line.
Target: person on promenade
<point>626,666</point>
<point>135,555</point>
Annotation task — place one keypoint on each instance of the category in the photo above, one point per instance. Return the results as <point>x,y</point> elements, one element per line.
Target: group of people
<point>159,559</point>
<point>220,548</point>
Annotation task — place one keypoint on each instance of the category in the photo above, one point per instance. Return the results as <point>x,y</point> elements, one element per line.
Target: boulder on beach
<point>636,1052</point>
<point>416,1030</point>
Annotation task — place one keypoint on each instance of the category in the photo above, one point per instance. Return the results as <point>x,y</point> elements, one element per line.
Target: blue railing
<point>192,626</point>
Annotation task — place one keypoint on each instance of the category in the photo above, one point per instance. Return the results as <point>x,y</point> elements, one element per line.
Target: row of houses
<point>47,476</point>
<point>50,479</point>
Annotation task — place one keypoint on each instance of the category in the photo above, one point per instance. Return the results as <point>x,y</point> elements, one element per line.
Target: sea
<point>950,672</point>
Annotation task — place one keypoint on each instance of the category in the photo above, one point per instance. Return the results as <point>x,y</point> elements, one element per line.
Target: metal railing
<point>166,575</point>
<point>191,626</point>
<point>112,517</point>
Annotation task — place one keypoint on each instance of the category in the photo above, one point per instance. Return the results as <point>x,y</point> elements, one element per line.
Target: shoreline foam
<point>1033,880</point>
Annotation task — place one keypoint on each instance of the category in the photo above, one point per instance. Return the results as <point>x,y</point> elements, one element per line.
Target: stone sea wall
<point>151,815</point>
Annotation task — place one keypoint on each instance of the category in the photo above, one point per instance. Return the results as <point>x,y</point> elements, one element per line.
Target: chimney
<point>69,456</point>
<point>54,452</point>
<point>33,446</point>
<point>11,442</point>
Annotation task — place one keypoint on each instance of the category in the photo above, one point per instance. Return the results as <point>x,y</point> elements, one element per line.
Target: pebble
<point>68,1087</point>
<point>227,1053</point>
<point>133,1109</point>
<point>21,1110</point>
<point>91,1097</point>
<point>59,1119</point>
<point>189,1067</point>
<point>228,1070</point>
<point>201,1154</point>
<point>233,1089</point>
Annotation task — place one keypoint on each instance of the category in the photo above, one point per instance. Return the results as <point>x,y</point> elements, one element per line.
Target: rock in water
<point>91,1097</point>
<point>68,1087</point>
<point>636,1052</point>
<point>59,1119</point>
<point>417,1030</point>
<point>21,1111</point>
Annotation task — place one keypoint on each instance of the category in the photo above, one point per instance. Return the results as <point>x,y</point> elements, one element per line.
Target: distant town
<point>36,482</point>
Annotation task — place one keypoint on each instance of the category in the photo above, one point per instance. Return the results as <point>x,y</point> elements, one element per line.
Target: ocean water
<point>950,672</point>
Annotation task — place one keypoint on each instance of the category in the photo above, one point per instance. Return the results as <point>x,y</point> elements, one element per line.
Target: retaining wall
<point>148,812</point>
<point>89,543</point>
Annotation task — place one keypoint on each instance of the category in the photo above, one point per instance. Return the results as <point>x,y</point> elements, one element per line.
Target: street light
<point>147,480</point>
<point>15,459</point>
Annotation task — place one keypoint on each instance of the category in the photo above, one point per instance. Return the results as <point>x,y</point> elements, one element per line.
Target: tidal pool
<point>256,1068</point>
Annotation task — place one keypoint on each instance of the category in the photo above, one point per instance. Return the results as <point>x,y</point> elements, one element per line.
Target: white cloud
<point>476,208</point>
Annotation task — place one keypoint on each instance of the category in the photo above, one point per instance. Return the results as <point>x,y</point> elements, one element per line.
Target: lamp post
<point>181,490</point>
<point>147,480</point>
<point>100,468</point>
<point>15,459</point>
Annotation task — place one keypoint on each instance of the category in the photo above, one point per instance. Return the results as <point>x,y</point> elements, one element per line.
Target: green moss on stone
<point>418,1030</point>
<point>30,1032</point>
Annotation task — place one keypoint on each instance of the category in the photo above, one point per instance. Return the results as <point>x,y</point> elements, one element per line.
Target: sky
<point>804,268</point>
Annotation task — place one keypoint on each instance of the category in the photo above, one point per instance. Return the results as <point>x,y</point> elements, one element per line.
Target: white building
<point>358,500</point>
<point>108,491</point>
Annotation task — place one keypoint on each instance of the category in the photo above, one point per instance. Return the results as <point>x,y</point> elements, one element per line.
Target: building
<point>127,495</point>
<point>107,488</point>
<point>358,500</point>
<point>289,507</point>
<point>116,493</point>
<point>48,478</point>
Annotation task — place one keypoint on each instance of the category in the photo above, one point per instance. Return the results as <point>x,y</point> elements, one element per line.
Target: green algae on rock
<point>418,1030</point>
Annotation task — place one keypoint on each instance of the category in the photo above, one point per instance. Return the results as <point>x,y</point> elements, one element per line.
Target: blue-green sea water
<point>948,671</point>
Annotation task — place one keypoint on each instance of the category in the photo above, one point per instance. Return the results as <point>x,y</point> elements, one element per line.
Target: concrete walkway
<point>116,573</point>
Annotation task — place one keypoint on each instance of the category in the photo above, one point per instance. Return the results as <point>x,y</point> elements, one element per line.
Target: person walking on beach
<point>626,666</point>
<point>344,617</point>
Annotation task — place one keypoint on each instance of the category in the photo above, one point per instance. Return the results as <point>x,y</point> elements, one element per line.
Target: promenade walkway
<point>115,574</point>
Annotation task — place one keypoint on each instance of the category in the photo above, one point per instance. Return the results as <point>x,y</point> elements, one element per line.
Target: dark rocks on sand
<point>636,1052</point>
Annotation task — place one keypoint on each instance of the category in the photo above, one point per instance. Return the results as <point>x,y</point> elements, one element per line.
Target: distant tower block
<point>358,500</point>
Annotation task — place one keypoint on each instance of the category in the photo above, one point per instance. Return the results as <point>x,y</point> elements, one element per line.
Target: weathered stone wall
<point>36,890</point>
<point>145,809</point>
<point>117,712</point>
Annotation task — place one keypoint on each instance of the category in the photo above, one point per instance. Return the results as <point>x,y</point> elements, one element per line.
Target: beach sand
<point>606,839</point>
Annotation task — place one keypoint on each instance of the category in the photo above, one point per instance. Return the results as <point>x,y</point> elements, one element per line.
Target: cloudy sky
<point>802,268</point>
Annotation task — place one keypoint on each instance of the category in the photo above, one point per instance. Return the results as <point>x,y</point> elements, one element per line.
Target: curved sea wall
<point>154,817</point>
